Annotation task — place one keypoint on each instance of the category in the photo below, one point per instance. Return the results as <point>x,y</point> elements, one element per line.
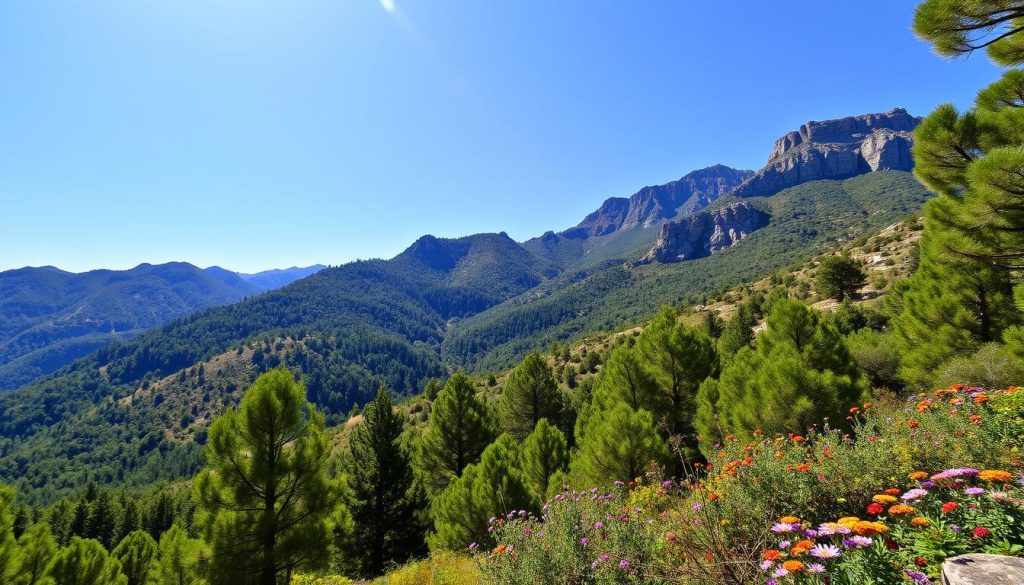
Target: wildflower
<point>801,547</point>
<point>784,528</point>
<point>603,558</point>
<point>803,467</point>
<point>875,509</point>
<point>918,475</point>
<point>623,564</point>
<point>765,565</point>
<point>771,555</point>
<point>913,424</point>
<point>900,510</point>
<point>599,525</point>
<point>697,507</point>
<point>793,566</point>
<point>954,528</point>
<point>816,568</point>
<point>884,499</point>
<point>857,542</point>
<point>920,561</point>
<point>797,439</point>
<point>981,532</point>
<point>825,551</point>
<point>666,484</point>
<point>955,473</point>
<point>865,528</point>
<point>914,494</point>
<point>918,577</point>
<point>789,519</point>
<point>784,544</point>
<point>974,491</point>
<point>995,475</point>
<point>713,497</point>
<point>473,546</point>
<point>499,549</point>
<point>781,571</point>
<point>771,581</point>
<point>920,521</point>
<point>949,507</point>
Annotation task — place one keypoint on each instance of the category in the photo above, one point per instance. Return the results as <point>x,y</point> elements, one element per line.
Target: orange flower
<point>714,497</point>
<point>803,467</point>
<point>892,492</point>
<point>866,528</point>
<point>854,410</point>
<point>918,475</point>
<point>797,439</point>
<point>913,424</point>
<point>996,475</point>
<point>900,510</point>
<point>793,566</point>
<point>771,555</point>
<point>498,549</point>
<point>789,519</point>
<point>801,547</point>
<point>920,521</point>
<point>980,398</point>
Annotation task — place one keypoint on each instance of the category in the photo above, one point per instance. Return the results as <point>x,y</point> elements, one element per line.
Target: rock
<point>983,569</point>
<point>836,149</point>
<point>706,232</point>
<point>652,205</point>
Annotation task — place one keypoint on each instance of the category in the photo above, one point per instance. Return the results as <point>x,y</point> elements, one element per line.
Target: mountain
<point>278,277</point>
<point>705,232</point>
<point>835,149</point>
<point>49,317</point>
<point>135,410</point>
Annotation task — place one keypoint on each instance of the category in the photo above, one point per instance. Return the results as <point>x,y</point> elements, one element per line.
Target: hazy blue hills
<point>278,277</point>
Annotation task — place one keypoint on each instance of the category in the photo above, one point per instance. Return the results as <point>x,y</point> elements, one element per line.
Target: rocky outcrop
<point>836,149</point>
<point>983,569</point>
<point>652,205</point>
<point>706,232</point>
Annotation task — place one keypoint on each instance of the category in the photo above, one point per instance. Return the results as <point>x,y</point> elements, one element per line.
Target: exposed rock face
<point>836,149</point>
<point>652,205</point>
<point>706,232</point>
<point>983,569</point>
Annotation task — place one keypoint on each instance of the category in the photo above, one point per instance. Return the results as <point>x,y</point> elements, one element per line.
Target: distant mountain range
<point>50,317</point>
<point>478,302</point>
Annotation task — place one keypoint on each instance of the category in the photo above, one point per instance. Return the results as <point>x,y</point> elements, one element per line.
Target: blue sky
<point>254,134</point>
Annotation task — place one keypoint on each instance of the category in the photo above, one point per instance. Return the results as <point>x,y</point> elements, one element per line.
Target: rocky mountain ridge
<point>706,232</point>
<point>836,149</point>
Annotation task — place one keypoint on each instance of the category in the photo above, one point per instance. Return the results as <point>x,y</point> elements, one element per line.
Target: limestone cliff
<point>706,232</point>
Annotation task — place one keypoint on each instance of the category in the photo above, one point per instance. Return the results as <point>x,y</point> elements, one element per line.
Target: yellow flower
<point>848,520</point>
<point>883,499</point>
<point>919,475</point>
<point>996,475</point>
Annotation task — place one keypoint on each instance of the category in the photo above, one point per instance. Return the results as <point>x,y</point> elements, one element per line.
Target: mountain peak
<point>836,149</point>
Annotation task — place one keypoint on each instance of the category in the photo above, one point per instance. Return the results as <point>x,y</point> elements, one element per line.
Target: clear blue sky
<point>254,134</point>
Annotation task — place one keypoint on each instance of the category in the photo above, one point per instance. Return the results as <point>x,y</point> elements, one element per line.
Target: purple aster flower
<point>599,525</point>
<point>816,568</point>
<point>918,577</point>
<point>974,491</point>
<point>771,581</point>
<point>782,528</point>
<point>473,546</point>
<point>780,572</point>
<point>619,483</point>
<point>811,533</point>
<point>666,484</point>
<point>584,541</point>
<point>784,544</point>
<point>697,507</point>
<point>765,565</point>
<point>954,528</point>
<point>928,484</point>
<point>914,495</point>
<point>603,558</point>
<point>623,564</point>
<point>955,473</point>
<point>857,542</point>
<point>825,551</point>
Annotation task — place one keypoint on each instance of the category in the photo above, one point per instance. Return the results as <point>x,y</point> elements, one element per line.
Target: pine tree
<point>130,520</point>
<point>61,517</point>
<point>458,431</point>
<point>493,487</point>
<point>85,562</point>
<point>800,373</point>
<point>37,547</point>
<point>738,332</point>
<point>181,559</point>
<point>619,444</point>
<point>530,394</point>
<point>10,554</point>
<point>137,553</point>
<point>839,277</point>
<point>102,521</point>
<point>265,499</point>
<point>712,324</point>
<point>382,495</point>
<point>161,516</point>
<point>680,358</point>
<point>544,453</point>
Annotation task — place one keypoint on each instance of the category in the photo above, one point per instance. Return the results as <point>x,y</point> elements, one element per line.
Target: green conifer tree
<point>619,444</point>
<point>102,520</point>
<point>382,495</point>
<point>37,547</point>
<point>265,500</point>
<point>530,394</point>
<point>800,373</point>
<point>487,489</point>
<point>738,332</point>
<point>839,277</point>
<point>137,553</point>
<point>181,559</point>
<point>10,554</point>
<point>85,562</point>
<point>544,453</point>
<point>458,431</point>
<point>680,358</point>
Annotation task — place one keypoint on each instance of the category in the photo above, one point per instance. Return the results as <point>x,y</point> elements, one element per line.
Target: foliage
<point>529,395</point>
<point>839,277</point>
<point>183,560</point>
<point>439,569</point>
<point>137,554</point>
<point>490,488</point>
<point>544,453</point>
<point>37,550</point>
<point>800,372</point>
<point>265,498</point>
<point>85,562</point>
<point>458,431</point>
<point>619,444</point>
<point>381,494</point>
